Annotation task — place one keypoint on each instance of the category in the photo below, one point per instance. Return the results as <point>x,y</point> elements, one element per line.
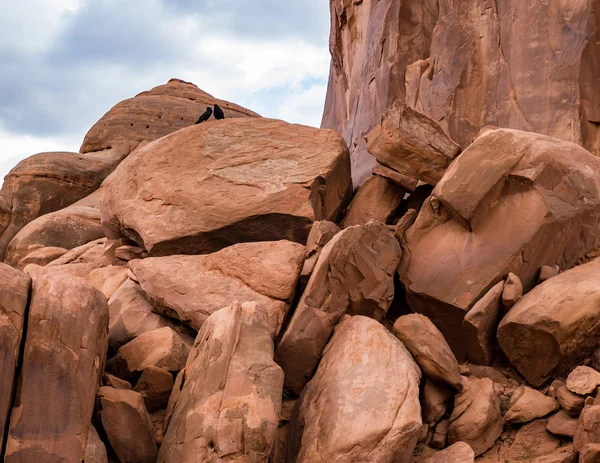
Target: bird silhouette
<point>219,113</point>
<point>205,116</point>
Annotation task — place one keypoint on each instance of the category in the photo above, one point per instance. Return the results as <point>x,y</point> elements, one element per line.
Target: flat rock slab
<point>363,402</point>
<point>229,407</point>
<point>583,380</point>
<point>555,325</point>
<point>354,275</point>
<point>67,338</point>
<point>219,183</point>
<point>191,288</point>
<point>475,229</point>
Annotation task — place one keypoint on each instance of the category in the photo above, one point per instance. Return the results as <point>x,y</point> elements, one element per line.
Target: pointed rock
<point>429,348</point>
<point>562,424</point>
<point>513,290</point>
<point>459,452</point>
<point>155,386</point>
<point>528,404</point>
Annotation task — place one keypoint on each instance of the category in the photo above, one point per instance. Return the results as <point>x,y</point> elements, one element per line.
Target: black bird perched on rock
<point>219,113</point>
<point>205,116</point>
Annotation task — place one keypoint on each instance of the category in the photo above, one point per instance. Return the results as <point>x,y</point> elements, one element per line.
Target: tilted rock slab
<point>191,288</point>
<point>67,338</point>
<point>363,402</point>
<point>237,180</point>
<point>429,348</point>
<point>354,275</point>
<point>14,294</point>
<point>229,407</point>
<point>412,143</point>
<point>555,325</point>
<point>538,203</point>
<point>153,114</point>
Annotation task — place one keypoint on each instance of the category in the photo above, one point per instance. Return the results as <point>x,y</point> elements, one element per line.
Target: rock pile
<point>220,293</point>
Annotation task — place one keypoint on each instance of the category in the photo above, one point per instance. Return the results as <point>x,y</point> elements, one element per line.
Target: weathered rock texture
<point>229,406</point>
<point>47,182</point>
<point>249,179</point>
<point>65,229</point>
<point>354,275</point>
<point>555,325</point>
<point>14,294</point>
<point>527,404</point>
<point>191,288</point>
<point>524,65</point>
<point>363,402</point>
<point>539,198</point>
<point>153,114</point>
<point>67,338</point>
<point>412,144</point>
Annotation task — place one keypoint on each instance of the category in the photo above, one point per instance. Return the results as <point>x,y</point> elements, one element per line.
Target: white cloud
<point>67,62</point>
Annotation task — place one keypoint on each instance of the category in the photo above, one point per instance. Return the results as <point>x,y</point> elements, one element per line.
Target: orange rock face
<point>524,65</point>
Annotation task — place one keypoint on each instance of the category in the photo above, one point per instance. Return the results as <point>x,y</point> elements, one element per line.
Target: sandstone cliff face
<point>526,65</point>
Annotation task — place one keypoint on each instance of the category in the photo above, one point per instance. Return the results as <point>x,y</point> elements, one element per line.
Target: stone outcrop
<point>555,325</point>
<point>95,450</point>
<point>64,230</point>
<point>354,275</point>
<point>127,425</point>
<point>429,348</point>
<point>588,428</point>
<point>465,66</point>
<point>48,182</point>
<point>67,338</point>
<point>14,295</point>
<point>320,234</point>
<point>372,44</point>
<point>377,199</point>
<point>234,184</point>
<point>338,418</point>
<point>412,144</point>
<point>153,114</point>
<point>229,405</point>
<point>191,288</point>
<point>527,199</point>
<point>155,386</point>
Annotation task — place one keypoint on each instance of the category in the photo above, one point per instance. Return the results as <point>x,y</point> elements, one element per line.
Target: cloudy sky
<point>64,63</point>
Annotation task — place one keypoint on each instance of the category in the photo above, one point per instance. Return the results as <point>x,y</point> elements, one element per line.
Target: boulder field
<point>417,281</point>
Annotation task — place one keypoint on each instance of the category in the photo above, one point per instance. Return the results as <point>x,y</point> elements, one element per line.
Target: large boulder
<point>238,180</point>
<point>465,65</point>
<point>229,407</point>
<point>191,288</point>
<point>67,338</point>
<point>14,295</point>
<point>555,325</point>
<point>48,182</point>
<point>354,275</point>
<point>363,402</point>
<point>153,114</point>
<point>537,204</point>
<point>65,229</point>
